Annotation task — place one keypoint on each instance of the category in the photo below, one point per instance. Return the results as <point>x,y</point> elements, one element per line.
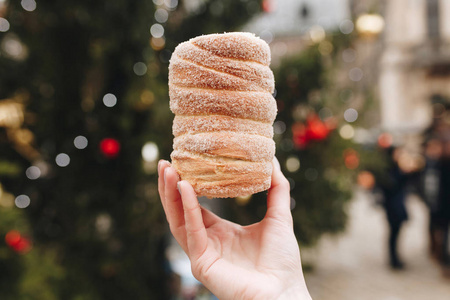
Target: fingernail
<point>165,174</point>
<point>276,163</point>
<point>178,187</point>
<point>159,167</point>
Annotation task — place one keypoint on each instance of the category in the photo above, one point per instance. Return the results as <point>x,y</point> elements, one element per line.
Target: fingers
<point>195,228</point>
<point>162,165</point>
<point>184,214</point>
<point>174,206</point>
<point>279,199</point>
<point>171,201</point>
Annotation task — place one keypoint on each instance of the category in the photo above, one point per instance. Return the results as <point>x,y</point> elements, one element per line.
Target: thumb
<point>279,198</point>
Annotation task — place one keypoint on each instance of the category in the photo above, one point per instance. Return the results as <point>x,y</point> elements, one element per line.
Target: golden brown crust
<point>259,106</point>
<point>238,45</point>
<point>228,144</point>
<point>256,75</point>
<point>215,123</point>
<point>222,178</point>
<point>190,74</point>
<point>220,89</point>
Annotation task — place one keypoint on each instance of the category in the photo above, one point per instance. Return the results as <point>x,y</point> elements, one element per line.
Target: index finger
<point>279,198</point>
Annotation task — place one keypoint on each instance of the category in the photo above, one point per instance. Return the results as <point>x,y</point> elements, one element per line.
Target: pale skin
<point>259,261</point>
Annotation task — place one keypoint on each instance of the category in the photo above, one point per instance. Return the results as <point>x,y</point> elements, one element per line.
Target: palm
<point>249,255</point>
<point>259,261</point>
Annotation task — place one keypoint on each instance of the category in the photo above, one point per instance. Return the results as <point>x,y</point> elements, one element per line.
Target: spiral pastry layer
<point>220,88</point>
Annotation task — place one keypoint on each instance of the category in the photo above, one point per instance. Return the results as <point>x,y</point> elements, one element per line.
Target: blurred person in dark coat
<point>393,187</point>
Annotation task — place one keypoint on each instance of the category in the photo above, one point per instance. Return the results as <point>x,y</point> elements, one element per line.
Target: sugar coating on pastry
<point>214,123</point>
<point>220,88</point>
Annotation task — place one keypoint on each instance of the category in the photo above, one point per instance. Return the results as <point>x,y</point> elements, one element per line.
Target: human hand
<point>259,261</point>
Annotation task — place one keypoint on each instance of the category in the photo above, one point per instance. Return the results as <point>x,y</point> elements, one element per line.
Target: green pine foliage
<point>96,225</point>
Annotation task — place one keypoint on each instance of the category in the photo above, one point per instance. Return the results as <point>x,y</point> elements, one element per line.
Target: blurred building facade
<point>415,63</point>
<point>406,62</point>
<point>286,25</point>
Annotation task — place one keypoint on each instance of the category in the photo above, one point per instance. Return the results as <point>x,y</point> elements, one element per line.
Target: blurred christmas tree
<point>83,119</point>
<point>310,150</point>
<point>313,132</point>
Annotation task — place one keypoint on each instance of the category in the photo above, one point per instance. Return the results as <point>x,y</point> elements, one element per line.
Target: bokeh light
<point>171,4</point>
<point>293,203</point>
<point>17,242</point>
<point>279,127</point>
<point>150,152</point>
<point>370,24</point>
<point>351,115</point>
<point>385,140</point>
<point>103,224</point>
<point>62,160</point>
<point>292,164</point>
<point>355,74</point>
<point>33,172</point>
<point>317,33</point>
<point>147,97</point>
<point>4,25</point>
<point>346,27</point>
<point>12,237</point>
<point>13,47</point>
<point>109,147</point>
<point>28,5</point>
<point>22,201</point>
<point>109,100</point>
<point>157,30</point>
<point>157,43</point>
<point>161,15</point>
<point>80,142</point>
<point>291,183</point>
<point>43,166</point>
<point>366,180</point>
<point>351,159</point>
<point>140,68</point>
<point>347,131</point>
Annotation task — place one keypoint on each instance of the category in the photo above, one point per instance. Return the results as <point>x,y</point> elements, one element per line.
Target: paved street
<point>353,265</point>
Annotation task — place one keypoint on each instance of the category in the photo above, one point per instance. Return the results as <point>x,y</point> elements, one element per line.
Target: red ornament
<point>17,242</point>
<point>316,130</point>
<point>12,238</point>
<point>110,147</point>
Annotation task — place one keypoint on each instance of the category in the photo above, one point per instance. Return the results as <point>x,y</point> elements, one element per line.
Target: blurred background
<point>362,133</point>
